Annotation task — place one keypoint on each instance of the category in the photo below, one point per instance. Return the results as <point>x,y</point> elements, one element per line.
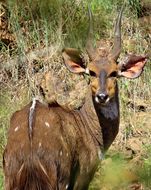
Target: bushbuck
<point>50,148</point>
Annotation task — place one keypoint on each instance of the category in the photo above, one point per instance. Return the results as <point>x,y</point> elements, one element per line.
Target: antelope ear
<point>132,66</point>
<point>73,61</point>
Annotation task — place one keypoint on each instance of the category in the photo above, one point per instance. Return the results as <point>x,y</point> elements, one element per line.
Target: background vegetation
<point>33,25</point>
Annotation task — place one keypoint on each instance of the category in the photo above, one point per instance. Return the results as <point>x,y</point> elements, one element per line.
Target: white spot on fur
<point>16,129</point>
<point>47,124</point>
<point>39,144</point>
<point>60,153</point>
<point>67,186</point>
<point>67,154</point>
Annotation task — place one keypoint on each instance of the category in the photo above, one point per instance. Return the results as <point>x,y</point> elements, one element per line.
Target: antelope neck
<point>110,110</point>
<point>89,118</point>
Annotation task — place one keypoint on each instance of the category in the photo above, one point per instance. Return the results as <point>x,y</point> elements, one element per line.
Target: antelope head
<point>103,66</point>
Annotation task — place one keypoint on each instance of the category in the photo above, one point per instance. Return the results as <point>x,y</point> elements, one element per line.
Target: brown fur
<point>64,151</point>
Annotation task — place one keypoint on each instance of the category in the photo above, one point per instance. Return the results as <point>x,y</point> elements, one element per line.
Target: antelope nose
<point>102,97</point>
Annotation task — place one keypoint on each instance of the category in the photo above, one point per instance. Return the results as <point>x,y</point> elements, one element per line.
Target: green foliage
<point>57,21</point>
<point>135,6</point>
<point>37,23</point>
<point>4,115</point>
<point>112,174</point>
<point>1,180</point>
<point>145,172</point>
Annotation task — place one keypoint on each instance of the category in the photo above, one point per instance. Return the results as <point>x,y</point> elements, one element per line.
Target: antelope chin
<point>102,103</point>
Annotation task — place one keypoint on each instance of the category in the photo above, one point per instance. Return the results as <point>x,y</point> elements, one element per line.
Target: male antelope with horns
<point>50,148</point>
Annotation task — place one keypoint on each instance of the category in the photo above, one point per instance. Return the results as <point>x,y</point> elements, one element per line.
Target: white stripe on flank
<point>33,104</point>
<point>31,115</point>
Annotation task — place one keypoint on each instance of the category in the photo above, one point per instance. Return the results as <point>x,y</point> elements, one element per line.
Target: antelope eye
<point>92,73</point>
<point>113,74</point>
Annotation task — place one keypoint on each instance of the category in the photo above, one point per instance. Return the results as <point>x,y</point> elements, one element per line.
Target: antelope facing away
<point>50,148</point>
